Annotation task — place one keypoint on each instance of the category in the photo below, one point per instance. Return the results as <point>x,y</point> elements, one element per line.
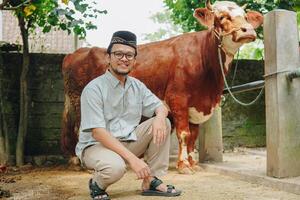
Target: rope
<point>235,67</point>
<point>226,84</point>
<point>224,100</point>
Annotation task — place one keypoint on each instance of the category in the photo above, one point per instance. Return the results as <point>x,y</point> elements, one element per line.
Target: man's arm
<point>159,125</point>
<point>137,165</point>
<point>151,103</point>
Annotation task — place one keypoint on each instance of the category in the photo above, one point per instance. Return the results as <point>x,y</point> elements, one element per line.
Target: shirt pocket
<point>134,108</point>
<point>111,113</point>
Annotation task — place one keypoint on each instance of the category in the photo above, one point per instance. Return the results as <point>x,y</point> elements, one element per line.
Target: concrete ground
<point>250,165</point>
<point>61,183</point>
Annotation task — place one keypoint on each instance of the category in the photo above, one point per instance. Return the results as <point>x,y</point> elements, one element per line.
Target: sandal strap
<point>101,197</point>
<point>96,192</point>
<point>170,188</point>
<point>154,183</point>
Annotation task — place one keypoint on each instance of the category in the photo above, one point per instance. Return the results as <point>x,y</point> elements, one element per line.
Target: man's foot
<point>96,192</point>
<point>154,187</point>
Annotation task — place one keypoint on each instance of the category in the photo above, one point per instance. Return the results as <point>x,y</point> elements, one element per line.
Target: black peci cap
<point>123,37</point>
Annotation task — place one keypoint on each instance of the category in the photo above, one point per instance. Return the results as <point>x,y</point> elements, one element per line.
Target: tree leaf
<point>63,26</point>
<point>46,29</point>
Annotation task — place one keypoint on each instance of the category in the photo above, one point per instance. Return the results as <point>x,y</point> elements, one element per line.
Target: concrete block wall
<point>244,125</point>
<point>46,104</point>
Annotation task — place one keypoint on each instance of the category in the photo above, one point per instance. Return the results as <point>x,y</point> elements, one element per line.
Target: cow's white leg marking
<point>183,155</point>
<point>183,163</point>
<point>192,155</point>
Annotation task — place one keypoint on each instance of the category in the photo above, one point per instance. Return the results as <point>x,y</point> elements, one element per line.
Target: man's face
<point>122,59</point>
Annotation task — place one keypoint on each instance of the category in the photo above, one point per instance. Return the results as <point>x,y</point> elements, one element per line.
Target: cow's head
<point>229,21</point>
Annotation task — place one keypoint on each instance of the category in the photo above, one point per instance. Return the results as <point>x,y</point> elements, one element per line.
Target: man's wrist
<point>160,116</point>
<point>130,157</point>
<point>161,112</point>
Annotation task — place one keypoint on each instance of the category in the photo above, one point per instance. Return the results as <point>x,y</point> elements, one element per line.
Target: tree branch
<point>4,3</point>
<point>2,6</point>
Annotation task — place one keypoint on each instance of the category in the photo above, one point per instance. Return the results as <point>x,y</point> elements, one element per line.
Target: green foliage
<point>253,51</point>
<point>182,15</point>
<point>169,28</point>
<point>68,15</point>
<point>182,10</point>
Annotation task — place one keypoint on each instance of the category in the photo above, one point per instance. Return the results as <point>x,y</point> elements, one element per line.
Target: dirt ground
<point>65,183</point>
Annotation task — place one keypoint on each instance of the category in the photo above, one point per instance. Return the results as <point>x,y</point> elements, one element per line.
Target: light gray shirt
<point>105,103</point>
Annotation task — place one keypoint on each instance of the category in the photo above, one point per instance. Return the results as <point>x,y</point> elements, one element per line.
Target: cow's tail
<point>68,133</point>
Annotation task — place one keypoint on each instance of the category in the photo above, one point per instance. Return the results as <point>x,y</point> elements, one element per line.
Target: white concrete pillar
<point>282,97</point>
<point>210,139</point>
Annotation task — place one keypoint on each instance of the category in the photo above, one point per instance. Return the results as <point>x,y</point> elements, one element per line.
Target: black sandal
<point>96,192</point>
<point>152,191</point>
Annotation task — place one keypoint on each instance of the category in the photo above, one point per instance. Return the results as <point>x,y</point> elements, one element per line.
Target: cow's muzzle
<point>245,35</point>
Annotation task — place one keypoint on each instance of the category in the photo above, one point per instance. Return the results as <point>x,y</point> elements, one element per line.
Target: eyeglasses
<point>120,55</point>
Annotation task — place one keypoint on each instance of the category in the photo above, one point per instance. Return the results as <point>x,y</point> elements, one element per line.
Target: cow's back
<point>157,62</point>
<point>82,66</point>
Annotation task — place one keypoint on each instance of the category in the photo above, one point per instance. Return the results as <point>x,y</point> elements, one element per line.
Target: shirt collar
<point>114,81</point>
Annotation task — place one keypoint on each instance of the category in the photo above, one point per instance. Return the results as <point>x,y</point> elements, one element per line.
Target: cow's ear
<point>204,17</point>
<point>254,18</point>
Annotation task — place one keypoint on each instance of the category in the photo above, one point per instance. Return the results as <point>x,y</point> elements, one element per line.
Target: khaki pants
<point>110,167</point>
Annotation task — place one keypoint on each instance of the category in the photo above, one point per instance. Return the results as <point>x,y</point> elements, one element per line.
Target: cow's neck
<point>229,47</point>
<point>211,75</point>
<point>226,55</point>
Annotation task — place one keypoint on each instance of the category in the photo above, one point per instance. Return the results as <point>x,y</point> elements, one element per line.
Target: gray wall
<point>242,126</point>
<point>46,105</point>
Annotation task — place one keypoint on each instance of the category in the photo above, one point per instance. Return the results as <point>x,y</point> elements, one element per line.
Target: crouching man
<point>110,134</point>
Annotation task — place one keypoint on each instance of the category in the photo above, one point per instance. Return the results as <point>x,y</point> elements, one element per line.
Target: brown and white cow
<point>183,71</point>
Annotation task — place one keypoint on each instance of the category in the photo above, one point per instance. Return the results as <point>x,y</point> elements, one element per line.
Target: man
<point>110,133</point>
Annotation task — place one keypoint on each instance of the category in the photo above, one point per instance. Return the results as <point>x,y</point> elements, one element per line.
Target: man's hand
<point>159,130</point>
<point>140,168</point>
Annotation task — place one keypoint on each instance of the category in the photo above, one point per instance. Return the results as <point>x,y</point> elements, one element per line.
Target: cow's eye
<point>221,18</point>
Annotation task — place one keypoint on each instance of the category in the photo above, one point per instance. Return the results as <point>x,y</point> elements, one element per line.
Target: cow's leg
<point>68,138</point>
<point>75,101</point>
<point>194,129</point>
<point>70,125</point>
<point>183,165</point>
<point>179,110</point>
<point>76,104</point>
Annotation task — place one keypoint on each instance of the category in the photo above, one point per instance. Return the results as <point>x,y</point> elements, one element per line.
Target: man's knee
<point>112,172</point>
<point>117,171</point>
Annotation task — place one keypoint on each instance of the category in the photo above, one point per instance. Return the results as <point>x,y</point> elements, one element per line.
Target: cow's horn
<point>208,5</point>
<point>244,6</point>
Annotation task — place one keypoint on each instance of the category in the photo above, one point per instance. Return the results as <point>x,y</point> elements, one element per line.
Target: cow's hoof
<point>197,168</point>
<point>74,164</point>
<point>186,170</point>
<point>184,167</point>
<point>74,160</point>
